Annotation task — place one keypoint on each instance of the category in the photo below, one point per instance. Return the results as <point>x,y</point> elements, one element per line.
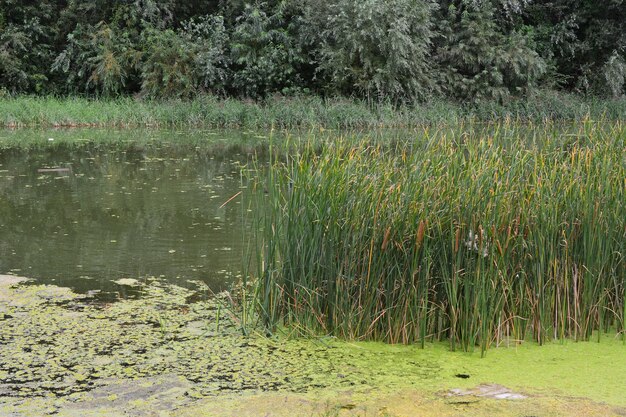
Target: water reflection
<point>85,218</point>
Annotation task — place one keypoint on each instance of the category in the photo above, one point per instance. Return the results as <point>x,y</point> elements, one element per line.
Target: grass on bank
<point>477,235</point>
<point>208,111</point>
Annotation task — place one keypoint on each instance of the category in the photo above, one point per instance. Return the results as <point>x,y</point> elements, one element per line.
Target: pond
<point>85,216</point>
<point>86,208</point>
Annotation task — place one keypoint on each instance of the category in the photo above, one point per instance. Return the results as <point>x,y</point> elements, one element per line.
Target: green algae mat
<point>171,352</point>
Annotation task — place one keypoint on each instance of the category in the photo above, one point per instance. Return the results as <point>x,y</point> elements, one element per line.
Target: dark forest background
<point>381,50</point>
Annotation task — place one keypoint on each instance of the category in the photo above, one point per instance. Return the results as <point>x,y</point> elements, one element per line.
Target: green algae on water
<point>63,351</point>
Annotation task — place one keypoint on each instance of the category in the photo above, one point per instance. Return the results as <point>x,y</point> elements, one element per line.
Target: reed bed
<point>476,235</point>
<point>294,112</point>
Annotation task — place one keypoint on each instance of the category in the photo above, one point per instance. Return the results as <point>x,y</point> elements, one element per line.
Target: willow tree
<point>481,57</point>
<point>377,48</point>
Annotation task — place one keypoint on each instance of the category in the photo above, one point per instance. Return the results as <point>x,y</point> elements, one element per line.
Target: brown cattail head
<point>420,234</point>
<point>457,240</point>
<point>386,239</point>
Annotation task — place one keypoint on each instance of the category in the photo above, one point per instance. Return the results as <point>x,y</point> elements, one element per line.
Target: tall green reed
<point>475,234</point>
<point>291,112</point>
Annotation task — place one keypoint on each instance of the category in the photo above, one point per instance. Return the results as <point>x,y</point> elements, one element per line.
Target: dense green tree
<point>27,35</point>
<point>97,59</point>
<point>584,41</point>
<point>264,55</point>
<point>168,65</point>
<point>210,41</point>
<point>181,63</point>
<point>478,59</point>
<point>376,48</point>
<point>14,44</point>
<point>398,50</point>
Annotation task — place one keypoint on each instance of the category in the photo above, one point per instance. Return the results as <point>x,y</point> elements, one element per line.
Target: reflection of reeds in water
<point>505,237</point>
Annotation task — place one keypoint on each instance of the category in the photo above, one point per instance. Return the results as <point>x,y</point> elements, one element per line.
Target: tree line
<point>391,50</point>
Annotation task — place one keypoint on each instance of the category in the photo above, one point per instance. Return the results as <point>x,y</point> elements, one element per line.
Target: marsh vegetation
<point>294,113</point>
<point>476,234</point>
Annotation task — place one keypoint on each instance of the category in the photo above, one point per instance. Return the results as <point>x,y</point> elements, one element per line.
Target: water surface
<point>86,216</point>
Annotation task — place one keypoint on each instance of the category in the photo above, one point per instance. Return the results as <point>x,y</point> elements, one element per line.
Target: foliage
<point>97,58</point>
<point>378,49</point>
<point>579,38</point>
<point>13,44</point>
<point>210,39</point>
<point>614,72</point>
<point>19,48</point>
<point>394,51</point>
<point>183,62</point>
<point>264,55</point>
<point>168,65</point>
<point>479,61</point>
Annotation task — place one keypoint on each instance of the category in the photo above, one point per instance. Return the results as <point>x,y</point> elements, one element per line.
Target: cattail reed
<point>518,234</point>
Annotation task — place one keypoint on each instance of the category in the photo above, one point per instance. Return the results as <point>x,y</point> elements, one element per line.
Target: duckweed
<point>69,354</point>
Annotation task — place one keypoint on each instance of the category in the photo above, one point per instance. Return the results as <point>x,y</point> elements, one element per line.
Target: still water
<point>85,216</point>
